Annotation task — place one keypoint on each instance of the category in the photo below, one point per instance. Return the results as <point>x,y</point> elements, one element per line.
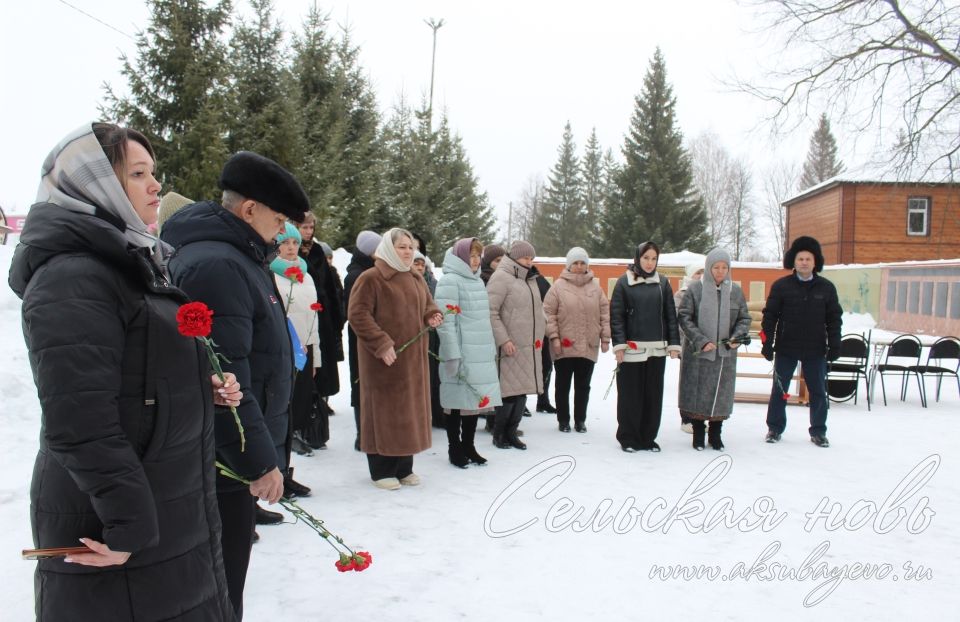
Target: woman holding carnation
<point>299,296</point>
<point>711,315</point>
<point>390,306</point>
<point>126,458</point>
<point>643,323</point>
<point>578,322</point>
<point>469,384</point>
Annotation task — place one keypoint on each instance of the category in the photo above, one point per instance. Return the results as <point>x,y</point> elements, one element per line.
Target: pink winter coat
<point>578,316</point>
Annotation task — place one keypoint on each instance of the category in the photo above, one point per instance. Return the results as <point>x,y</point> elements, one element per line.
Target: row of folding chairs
<point>902,358</point>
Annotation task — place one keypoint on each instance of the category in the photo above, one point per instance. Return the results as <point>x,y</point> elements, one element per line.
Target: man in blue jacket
<point>221,258</point>
<point>801,324</point>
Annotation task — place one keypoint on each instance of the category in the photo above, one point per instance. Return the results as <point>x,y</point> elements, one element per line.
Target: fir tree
<point>822,162</point>
<point>560,224</point>
<point>593,191</point>
<point>177,86</point>
<point>263,109</point>
<point>658,201</point>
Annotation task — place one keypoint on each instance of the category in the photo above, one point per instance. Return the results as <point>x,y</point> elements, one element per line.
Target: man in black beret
<point>222,256</point>
<point>801,324</point>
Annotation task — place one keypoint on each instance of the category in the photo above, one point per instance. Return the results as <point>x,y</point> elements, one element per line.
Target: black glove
<point>767,351</point>
<point>833,354</point>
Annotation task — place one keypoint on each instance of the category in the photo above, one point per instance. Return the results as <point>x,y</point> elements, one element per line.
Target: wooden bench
<point>801,397</point>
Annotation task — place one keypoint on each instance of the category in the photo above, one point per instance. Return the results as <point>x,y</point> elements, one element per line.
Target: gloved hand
<point>451,366</point>
<point>833,353</point>
<point>767,351</point>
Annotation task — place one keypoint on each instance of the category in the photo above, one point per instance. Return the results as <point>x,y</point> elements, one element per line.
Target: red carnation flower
<point>344,566</point>
<point>484,401</point>
<point>455,309</point>
<point>763,337</point>
<point>362,561</point>
<point>316,307</point>
<point>566,343</point>
<point>537,344</point>
<point>194,319</point>
<point>632,345</point>
<point>294,273</point>
<point>786,396</point>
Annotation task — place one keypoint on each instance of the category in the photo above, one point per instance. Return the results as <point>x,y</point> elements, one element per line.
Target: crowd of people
<point>133,419</point>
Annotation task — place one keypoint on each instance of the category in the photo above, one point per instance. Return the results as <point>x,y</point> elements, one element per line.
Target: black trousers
<point>508,416</point>
<point>389,466</point>
<point>543,399</point>
<point>640,402</point>
<point>238,519</point>
<point>580,370</point>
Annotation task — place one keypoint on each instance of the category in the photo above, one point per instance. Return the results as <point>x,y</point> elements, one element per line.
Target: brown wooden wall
<point>818,216</point>
<point>867,223</point>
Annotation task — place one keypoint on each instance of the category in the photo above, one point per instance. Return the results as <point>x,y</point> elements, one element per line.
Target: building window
<point>918,216</point>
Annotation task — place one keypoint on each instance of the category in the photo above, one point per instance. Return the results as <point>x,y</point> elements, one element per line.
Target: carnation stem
<point>215,363</point>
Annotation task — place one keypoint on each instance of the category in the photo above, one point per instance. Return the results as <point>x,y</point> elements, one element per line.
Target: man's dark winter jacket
<point>126,442</point>
<point>803,318</point>
<point>221,261</point>
<point>357,266</point>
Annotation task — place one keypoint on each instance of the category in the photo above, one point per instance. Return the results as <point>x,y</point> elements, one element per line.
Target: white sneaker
<point>387,483</point>
<point>410,480</point>
<point>687,427</point>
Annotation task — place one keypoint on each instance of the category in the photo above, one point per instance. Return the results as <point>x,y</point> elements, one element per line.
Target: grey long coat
<point>516,314</point>
<point>706,387</point>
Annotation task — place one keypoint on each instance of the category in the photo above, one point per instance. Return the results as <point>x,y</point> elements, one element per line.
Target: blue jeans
<point>814,374</point>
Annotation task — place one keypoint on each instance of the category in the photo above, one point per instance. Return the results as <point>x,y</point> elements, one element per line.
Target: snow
<point>439,551</point>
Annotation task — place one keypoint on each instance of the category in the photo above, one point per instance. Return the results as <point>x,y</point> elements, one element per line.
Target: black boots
<point>714,435</point>
<point>457,457</point>
<point>293,489</point>
<point>699,429</point>
<point>514,441</point>
<point>468,432</point>
<point>461,432</point>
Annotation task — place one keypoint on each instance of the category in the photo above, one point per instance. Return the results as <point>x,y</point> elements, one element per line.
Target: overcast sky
<point>509,74</point>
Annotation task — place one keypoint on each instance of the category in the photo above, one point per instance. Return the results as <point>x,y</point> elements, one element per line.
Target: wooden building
<point>864,222</point>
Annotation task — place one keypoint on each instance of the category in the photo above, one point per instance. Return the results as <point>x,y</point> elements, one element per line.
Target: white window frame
<point>919,205</point>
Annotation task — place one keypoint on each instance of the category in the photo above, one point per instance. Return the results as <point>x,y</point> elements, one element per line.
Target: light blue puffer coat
<point>466,336</point>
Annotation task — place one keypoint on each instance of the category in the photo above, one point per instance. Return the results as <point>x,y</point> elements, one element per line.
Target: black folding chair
<point>902,359</point>
<point>945,351</point>
<point>843,375</point>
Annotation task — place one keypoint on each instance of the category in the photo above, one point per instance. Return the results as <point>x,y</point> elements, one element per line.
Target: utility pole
<point>435,25</point>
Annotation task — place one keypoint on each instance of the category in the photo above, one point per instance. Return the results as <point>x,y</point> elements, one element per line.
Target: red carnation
<point>566,343</point>
<point>484,401</point>
<point>344,566</point>
<point>316,307</point>
<point>537,344</point>
<point>632,345</point>
<point>362,560</point>
<point>763,337</point>
<point>194,319</point>
<point>454,309</point>
<point>786,396</point>
<point>294,273</point>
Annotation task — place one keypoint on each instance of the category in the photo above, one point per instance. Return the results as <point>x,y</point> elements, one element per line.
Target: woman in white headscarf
<point>712,316</point>
<point>126,457</point>
<point>389,306</point>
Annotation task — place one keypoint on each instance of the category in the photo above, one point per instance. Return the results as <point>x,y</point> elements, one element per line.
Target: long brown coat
<point>516,314</point>
<point>387,309</point>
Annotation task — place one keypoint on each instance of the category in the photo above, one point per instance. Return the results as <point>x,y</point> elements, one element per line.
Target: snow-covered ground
<point>498,542</point>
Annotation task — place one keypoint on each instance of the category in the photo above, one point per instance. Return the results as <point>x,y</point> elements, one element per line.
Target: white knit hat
<point>576,254</point>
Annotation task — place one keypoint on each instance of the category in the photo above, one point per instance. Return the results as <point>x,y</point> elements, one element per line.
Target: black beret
<point>804,243</point>
<point>261,179</point>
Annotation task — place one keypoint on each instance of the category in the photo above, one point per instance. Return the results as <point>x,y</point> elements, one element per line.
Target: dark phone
<point>63,551</point>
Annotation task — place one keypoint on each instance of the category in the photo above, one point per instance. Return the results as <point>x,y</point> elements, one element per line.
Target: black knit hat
<point>804,243</point>
<point>261,179</point>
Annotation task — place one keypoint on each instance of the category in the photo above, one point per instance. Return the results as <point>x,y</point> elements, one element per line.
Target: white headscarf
<point>77,176</point>
<point>388,253</point>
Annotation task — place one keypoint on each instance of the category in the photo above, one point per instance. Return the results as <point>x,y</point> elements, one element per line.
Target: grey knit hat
<point>326,249</point>
<point>576,254</point>
<point>367,242</point>
<point>522,248</point>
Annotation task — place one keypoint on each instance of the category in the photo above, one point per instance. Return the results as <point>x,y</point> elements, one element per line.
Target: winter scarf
<point>708,312</point>
<point>78,177</point>
<point>388,253</point>
<point>279,265</point>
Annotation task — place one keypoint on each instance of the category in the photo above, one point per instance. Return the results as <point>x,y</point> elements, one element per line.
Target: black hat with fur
<point>261,179</point>
<point>804,243</point>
